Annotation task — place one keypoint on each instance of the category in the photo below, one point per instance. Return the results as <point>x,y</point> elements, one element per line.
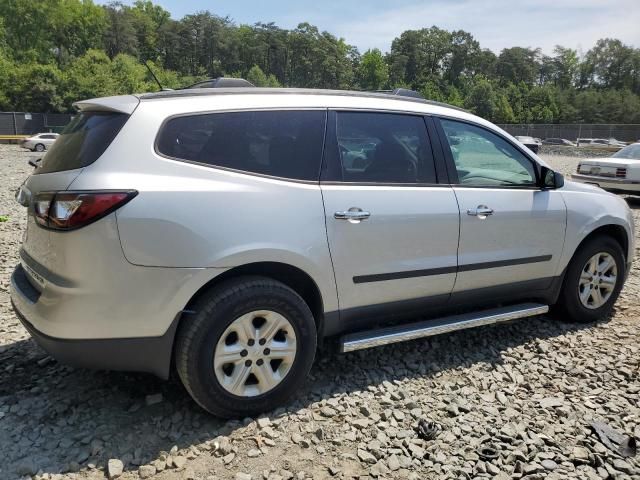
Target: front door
<point>511,231</point>
<point>392,230</point>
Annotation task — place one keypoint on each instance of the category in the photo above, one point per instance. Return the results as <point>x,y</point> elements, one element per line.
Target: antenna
<point>155,78</point>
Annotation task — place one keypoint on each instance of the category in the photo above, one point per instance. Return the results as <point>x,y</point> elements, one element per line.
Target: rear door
<point>511,231</point>
<point>392,229</point>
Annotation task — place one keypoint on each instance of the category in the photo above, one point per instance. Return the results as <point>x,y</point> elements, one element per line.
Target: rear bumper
<point>609,184</point>
<point>147,354</point>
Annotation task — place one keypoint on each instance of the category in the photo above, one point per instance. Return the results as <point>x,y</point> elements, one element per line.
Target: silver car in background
<point>531,143</point>
<point>226,232</point>
<point>39,142</point>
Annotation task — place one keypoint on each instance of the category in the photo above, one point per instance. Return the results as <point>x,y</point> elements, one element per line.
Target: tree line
<point>54,52</point>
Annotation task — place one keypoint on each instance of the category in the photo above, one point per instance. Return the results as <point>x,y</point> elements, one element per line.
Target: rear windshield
<point>82,141</point>
<point>632,152</point>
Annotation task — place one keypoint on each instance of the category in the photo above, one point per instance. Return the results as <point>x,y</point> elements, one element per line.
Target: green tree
<point>89,76</point>
<point>612,64</point>
<point>482,98</point>
<point>6,68</point>
<point>485,63</point>
<point>517,64</point>
<point>503,113</point>
<point>54,52</point>
<point>27,28</point>
<point>46,29</point>
<point>260,79</point>
<point>120,36</point>
<point>455,97</point>
<point>148,20</point>
<point>431,90</point>
<point>417,55</point>
<point>464,57</point>
<point>35,88</point>
<point>373,72</point>
<point>542,104</point>
<point>75,27</point>
<point>566,67</point>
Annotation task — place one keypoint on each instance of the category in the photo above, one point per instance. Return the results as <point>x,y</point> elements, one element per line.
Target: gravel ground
<point>512,401</point>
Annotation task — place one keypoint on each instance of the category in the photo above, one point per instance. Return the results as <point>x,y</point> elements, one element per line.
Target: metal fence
<point>573,131</point>
<point>26,123</point>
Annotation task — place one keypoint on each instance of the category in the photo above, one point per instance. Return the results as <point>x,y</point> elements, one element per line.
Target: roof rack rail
<point>405,92</point>
<point>221,82</point>
<point>402,92</point>
<point>211,88</point>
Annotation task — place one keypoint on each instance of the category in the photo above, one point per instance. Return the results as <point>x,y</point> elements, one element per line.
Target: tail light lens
<point>72,210</point>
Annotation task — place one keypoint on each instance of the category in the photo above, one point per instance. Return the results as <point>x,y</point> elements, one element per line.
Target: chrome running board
<point>402,333</point>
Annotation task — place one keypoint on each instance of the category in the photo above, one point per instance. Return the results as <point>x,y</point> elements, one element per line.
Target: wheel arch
<point>613,230</point>
<point>293,277</point>
<point>617,232</point>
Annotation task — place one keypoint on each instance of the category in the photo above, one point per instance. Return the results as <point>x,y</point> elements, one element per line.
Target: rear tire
<point>242,318</point>
<point>39,147</point>
<point>593,281</point>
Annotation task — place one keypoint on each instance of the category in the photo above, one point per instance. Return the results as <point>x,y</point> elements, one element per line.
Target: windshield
<point>630,151</point>
<point>82,141</point>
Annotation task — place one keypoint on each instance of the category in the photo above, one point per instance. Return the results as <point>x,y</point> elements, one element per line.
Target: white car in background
<point>39,142</point>
<point>606,143</point>
<point>618,173</point>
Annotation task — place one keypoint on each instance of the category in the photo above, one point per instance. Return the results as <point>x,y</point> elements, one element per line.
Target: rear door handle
<point>482,211</point>
<point>353,214</point>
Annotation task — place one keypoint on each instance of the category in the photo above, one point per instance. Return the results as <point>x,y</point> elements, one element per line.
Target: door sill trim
<point>385,336</point>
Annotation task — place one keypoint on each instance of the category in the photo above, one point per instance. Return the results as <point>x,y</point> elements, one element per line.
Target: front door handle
<point>354,215</point>
<point>482,212</point>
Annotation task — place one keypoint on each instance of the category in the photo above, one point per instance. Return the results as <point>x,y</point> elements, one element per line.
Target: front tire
<point>39,147</point>
<point>593,281</point>
<point>247,349</point>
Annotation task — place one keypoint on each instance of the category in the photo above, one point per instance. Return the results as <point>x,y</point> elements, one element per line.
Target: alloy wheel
<point>255,353</point>
<point>597,280</point>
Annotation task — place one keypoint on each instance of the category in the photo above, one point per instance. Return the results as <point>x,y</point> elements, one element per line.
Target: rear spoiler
<point>119,104</point>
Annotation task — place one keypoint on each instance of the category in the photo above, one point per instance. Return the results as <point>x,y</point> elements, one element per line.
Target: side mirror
<point>550,179</point>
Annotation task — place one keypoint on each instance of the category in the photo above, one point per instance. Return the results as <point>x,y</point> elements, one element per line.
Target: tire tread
<point>189,330</point>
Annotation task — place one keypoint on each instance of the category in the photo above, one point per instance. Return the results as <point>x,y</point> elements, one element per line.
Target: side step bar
<point>402,333</point>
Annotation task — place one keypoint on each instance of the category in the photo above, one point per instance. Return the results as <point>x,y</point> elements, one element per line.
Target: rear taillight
<point>71,210</point>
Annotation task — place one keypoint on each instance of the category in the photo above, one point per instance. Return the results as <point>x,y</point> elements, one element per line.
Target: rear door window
<point>284,144</point>
<point>82,141</point>
<point>384,148</point>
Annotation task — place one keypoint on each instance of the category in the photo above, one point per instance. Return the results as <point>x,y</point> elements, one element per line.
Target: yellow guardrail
<point>13,137</point>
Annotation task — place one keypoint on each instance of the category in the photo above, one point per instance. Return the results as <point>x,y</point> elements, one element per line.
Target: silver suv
<point>227,231</point>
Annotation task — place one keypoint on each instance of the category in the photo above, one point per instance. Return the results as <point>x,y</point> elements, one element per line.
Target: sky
<point>496,24</point>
